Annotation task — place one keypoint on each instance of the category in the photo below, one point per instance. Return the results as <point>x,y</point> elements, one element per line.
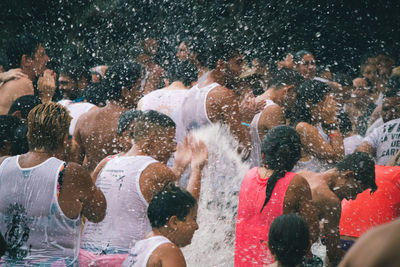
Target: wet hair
<point>145,122</point>
<point>20,144</point>
<point>282,149</point>
<point>289,239</point>
<point>121,74</point>
<point>284,77</point>
<point>298,56</point>
<point>21,44</point>
<point>345,125</point>
<point>8,124</point>
<point>96,94</point>
<point>75,71</point>
<point>363,167</point>
<point>47,126</point>
<point>393,87</point>
<point>183,71</point>
<point>24,104</point>
<point>310,93</point>
<point>215,50</point>
<point>171,201</point>
<point>126,119</point>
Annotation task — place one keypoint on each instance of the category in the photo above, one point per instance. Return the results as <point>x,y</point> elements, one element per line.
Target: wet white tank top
<point>141,252</point>
<point>76,109</point>
<point>31,219</point>
<point>194,108</point>
<point>255,155</point>
<point>126,216</point>
<point>168,102</point>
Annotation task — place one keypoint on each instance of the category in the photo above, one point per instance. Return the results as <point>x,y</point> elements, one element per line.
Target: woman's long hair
<point>282,149</point>
<point>309,93</point>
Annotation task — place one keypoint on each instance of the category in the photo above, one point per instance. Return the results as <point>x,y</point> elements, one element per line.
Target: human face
<point>234,68</point>
<point>67,86</point>
<point>307,67</point>
<point>391,108</point>
<point>186,228</point>
<point>183,52</point>
<point>349,187</point>
<point>40,60</point>
<point>370,73</point>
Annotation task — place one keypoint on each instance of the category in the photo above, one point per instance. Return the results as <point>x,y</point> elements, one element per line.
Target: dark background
<point>339,33</point>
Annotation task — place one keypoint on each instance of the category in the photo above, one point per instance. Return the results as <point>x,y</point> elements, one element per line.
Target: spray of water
<point>213,243</point>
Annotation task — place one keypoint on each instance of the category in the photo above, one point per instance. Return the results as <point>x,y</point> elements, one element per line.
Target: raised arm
<point>199,159</point>
<point>79,189</point>
<point>317,146</point>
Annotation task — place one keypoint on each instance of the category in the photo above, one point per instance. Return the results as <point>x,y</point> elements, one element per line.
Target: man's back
<point>13,89</point>
<point>96,134</point>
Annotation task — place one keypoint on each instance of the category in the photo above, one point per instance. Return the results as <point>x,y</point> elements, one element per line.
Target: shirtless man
<point>131,180</point>
<point>351,176</point>
<point>30,56</point>
<point>72,83</point>
<point>280,97</point>
<point>95,134</point>
<point>169,100</point>
<point>210,101</point>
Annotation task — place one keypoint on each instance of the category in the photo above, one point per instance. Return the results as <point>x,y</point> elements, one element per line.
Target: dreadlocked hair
<point>282,149</point>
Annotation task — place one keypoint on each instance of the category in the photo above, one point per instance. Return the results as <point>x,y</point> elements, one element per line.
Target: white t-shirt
<point>351,143</point>
<point>385,140</point>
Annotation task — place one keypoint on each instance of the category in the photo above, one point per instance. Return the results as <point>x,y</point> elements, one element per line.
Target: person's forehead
<point>308,57</point>
<point>64,77</point>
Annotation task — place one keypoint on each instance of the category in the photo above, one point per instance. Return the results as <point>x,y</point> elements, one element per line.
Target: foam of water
<point>213,243</point>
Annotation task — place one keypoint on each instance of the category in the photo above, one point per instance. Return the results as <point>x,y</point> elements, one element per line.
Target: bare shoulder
<point>304,126</point>
<point>157,169</point>
<point>221,93</point>
<point>300,182</point>
<point>167,254</point>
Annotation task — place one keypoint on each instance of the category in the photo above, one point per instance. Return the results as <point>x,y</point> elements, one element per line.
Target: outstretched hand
<point>12,74</point>
<point>46,85</point>
<point>183,153</point>
<point>199,154</point>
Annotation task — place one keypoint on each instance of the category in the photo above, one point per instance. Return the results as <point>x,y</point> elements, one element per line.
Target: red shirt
<point>367,211</point>
<point>252,227</point>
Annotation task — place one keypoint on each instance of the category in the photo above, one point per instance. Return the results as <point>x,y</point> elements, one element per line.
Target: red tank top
<point>368,210</point>
<point>252,227</point>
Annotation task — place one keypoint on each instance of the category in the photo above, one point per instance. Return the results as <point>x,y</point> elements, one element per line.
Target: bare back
<point>96,135</point>
<point>13,89</point>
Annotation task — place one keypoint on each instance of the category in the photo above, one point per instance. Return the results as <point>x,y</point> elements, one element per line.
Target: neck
<point>177,85</point>
<point>269,94</point>
<point>115,104</point>
<point>214,77</point>
<point>137,149</point>
<point>163,231</point>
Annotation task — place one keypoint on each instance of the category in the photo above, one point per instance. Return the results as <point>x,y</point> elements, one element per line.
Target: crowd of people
<point>99,165</point>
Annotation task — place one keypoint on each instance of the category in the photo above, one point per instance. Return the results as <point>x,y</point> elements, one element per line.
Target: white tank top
<point>31,219</point>
<point>76,109</point>
<point>168,102</point>
<point>141,252</point>
<point>255,154</point>
<point>126,217</point>
<point>194,108</point>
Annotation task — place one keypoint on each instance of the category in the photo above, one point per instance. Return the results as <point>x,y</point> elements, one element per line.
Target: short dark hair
<point>127,118</point>
<point>289,239</point>
<point>21,44</point>
<point>171,201</point>
<point>75,71</point>
<point>147,119</point>
<point>285,77</point>
<point>363,167</point>
<point>343,79</point>
<point>96,94</point>
<point>24,104</point>
<point>121,74</point>
<point>393,86</point>
<point>298,56</point>
<point>8,124</point>
<point>183,71</point>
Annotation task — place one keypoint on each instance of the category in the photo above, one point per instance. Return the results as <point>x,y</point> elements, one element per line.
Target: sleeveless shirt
<point>126,216</point>
<point>76,109</point>
<point>255,154</point>
<point>168,102</point>
<point>31,220</point>
<point>252,227</point>
<point>141,252</point>
<point>194,108</point>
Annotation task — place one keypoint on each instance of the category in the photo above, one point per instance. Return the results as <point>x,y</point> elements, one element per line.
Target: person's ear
<point>349,174</point>
<point>173,222</point>
<point>26,60</point>
<point>124,92</point>
<point>262,156</point>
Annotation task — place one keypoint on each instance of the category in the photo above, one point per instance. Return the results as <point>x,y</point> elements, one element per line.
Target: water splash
<point>213,243</point>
